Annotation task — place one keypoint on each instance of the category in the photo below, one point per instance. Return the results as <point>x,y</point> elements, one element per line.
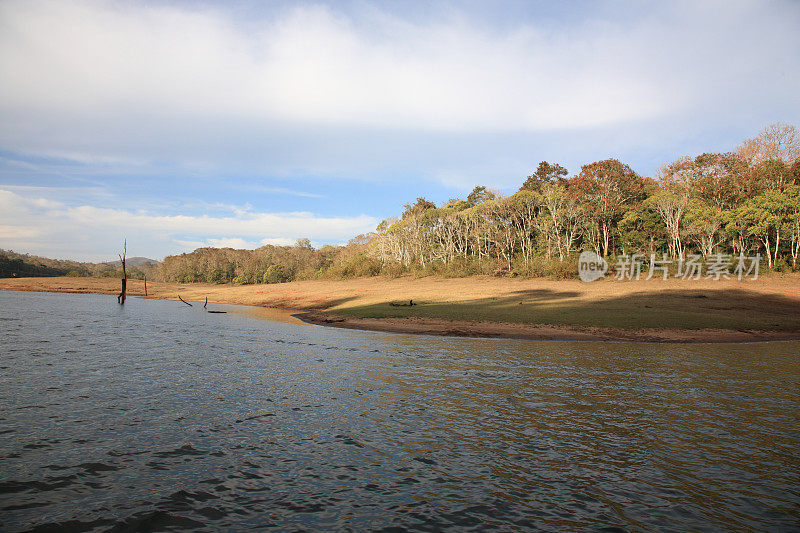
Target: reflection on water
<point>157,416</point>
<point>264,313</point>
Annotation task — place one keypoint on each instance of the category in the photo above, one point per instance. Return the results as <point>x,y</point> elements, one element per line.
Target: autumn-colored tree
<point>778,141</point>
<point>606,188</point>
<point>775,174</point>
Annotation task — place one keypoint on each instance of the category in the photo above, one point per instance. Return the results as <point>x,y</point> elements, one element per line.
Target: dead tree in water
<point>121,297</point>
<point>145,285</point>
<point>205,306</point>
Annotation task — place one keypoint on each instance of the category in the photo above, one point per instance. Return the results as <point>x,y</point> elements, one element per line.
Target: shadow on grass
<point>734,309</point>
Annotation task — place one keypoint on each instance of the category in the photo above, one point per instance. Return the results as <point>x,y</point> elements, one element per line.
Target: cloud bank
<point>42,226</point>
<point>160,70</point>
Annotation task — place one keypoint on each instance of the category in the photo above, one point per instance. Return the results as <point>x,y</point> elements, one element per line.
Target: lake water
<point>158,416</point>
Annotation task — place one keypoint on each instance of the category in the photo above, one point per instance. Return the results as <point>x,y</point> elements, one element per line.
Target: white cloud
<point>12,233</point>
<point>232,242</point>
<point>280,241</point>
<point>125,85</point>
<point>81,232</point>
<point>310,65</point>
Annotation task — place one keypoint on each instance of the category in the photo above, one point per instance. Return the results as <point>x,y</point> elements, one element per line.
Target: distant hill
<point>13,264</point>
<point>133,262</point>
<point>17,265</point>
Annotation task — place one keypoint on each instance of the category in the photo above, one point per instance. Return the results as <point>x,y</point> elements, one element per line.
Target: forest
<point>744,202</point>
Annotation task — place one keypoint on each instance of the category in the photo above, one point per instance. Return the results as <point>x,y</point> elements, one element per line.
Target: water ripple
<point>153,417</point>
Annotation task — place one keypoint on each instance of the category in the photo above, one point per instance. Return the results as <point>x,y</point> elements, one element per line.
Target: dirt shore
<point>650,311</point>
<point>461,328</point>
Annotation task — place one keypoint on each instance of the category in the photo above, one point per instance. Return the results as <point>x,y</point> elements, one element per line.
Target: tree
<point>767,216</point>
<point>480,195</point>
<point>703,223</point>
<point>304,243</point>
<point>670,203</point>
<point>565,215</point>
<point>714,178</point>
<point>504,215</point>
<point>642,230</point>
<point>793,222</point>
<point>545,173</point>
<point>121,297</point>
<point>274,274</point>
<point>715,202</point>
<point>774,174</point>
<point>606,188</point>
<point>777,141</point>
<point>528,206</point>
<point>418,207</point>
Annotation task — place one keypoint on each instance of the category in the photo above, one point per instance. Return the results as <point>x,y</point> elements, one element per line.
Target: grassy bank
<point>460,306</point>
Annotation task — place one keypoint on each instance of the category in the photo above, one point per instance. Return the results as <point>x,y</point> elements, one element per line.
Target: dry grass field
<point>534,308</point>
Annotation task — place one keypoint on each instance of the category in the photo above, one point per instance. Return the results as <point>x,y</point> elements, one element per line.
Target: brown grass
<point>647,310</point>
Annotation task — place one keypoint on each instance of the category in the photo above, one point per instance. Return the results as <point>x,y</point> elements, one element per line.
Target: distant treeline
<point>273,264</point>
<point>13,264</point>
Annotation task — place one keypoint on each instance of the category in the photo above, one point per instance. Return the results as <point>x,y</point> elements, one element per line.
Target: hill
<point>134,262</point>
<point>17,265</point>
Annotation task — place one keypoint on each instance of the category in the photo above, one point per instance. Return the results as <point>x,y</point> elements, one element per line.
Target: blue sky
<point>185,124</point>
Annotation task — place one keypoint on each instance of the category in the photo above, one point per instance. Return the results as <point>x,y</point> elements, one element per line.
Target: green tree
<point>274,274</point>
<point>304,244</point>
<point>480,195</point>
<point>767,215</point>
<point>545,173</point>
<point>793,221</point>
<point>642,230</point>
<point>418,207</point>
<point>704,221</point>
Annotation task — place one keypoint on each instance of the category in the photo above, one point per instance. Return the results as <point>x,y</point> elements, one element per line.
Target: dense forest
<point>744,202</point>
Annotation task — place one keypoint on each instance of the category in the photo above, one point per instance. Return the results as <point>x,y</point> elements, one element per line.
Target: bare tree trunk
<point>769,250</point>
<point>121,297</point>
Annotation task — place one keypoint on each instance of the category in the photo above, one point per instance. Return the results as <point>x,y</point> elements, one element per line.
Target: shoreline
<point>542,332</point>
<point>358,304</point>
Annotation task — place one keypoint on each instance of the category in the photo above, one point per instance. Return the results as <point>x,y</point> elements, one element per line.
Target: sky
<point>177,125</point>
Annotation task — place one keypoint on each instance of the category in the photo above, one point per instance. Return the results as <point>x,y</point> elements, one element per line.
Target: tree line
<point>744,202</point>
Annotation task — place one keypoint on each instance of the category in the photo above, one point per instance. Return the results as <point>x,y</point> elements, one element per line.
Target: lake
<point>159,416</point>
